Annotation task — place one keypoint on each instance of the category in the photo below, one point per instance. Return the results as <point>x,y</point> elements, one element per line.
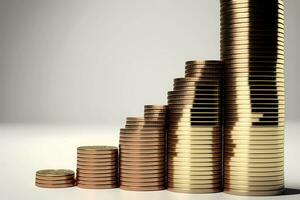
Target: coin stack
<point>142,150</point>
<point>97,167</point>
<point>54,178</point>
<point>194,133</point>
<point>252,48</point>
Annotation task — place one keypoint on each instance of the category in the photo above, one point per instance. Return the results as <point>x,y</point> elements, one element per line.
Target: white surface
<point>25,149</point>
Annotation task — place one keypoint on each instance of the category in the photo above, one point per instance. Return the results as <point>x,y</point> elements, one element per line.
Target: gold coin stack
<point>252,48</point>
<point>194,133</point>
<point>142,151</point>
<point>55,178</point>
<point>97,167</point>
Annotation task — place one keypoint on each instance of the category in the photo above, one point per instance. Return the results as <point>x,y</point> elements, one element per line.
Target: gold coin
<point>142,159</point>
<point>96,167</point>
<point>252,151</point>
<point>141,147</point>
<point>49,182</point>
<point>253,169</point>
<point>55,173</point>
<point>247,173</point>
<point>143,175</point>
<point>96,186</point>
<point>142,188</point>
<point>97,148</point>
<point>141,155</point>
<point>255,188</point>
<point>253,178</point>
<point>193,191</point>
<point>112,182</point>
<point>54,178</point>
<point>148,172</point>
<point>97,179</point>
<point>124,168</point>
<point>97,172</point>
<point>95,157</point>
<point>182,165</point>
<point>199,156</point>
<point>142,143</point>
<point>194,175</point>
<point>185,169</point>
<point>195,138</point>
<point>142,184</point>
<point>140,179</point>
<point>253,193</point>
<point>194,186</point>
<point>194,182</point>
<point>54,185</point>
<point>144,151</point>
<point>199,162</point>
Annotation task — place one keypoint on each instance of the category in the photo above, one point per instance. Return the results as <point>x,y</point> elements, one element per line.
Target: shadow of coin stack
<point>142,150</point>
<point>194,133</point>
<point>252,48</point>
<point>97,167</point>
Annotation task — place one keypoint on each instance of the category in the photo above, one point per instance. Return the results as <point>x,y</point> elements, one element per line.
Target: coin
<point>142,188</point>
<point>54,173</point>
<point>55,185</point>
<point>96,186</point>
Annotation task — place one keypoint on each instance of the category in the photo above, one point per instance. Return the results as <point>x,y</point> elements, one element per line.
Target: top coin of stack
<point>142,151</point>
<point>252,48</point>
<point>194,133</point>
<point>97,167</point>
<point>55,178</point>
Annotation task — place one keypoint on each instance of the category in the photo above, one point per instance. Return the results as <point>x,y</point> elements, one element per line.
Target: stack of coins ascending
<point>194,133</point>
<point>142,151</point>
<point>97,167</point>
<point>252,48</point>
<point>54,178</point>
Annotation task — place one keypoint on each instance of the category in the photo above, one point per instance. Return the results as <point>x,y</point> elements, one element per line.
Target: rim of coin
<point>131,188</point>
<point>253,193</point>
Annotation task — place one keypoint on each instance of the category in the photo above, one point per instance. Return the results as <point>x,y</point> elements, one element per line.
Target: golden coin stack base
<point>142,151</point>
<point>54,178</point>
<point>252,48</point>
<point>194,133</point>
<point>97,167</point>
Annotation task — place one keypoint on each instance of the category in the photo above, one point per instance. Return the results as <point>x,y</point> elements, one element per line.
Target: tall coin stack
<point>97,167</point>
<point>142,150</point>
<point>194,133</point>
<point>252,48</point>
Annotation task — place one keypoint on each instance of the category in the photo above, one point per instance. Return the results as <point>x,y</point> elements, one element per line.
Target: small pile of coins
<point>195,133</point>
<point>55,178</point>
<point>252,48</point>
<point>97,167</point>
<point>142,150</point>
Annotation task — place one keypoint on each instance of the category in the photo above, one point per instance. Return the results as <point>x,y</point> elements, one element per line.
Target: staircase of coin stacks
<point>223,127</point>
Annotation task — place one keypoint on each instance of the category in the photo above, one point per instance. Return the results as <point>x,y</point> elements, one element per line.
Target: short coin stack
<point>142,151</point>
<point>252,48</point>
<point>54,178</point>
<point>194,133</point>
<point>97,167</point>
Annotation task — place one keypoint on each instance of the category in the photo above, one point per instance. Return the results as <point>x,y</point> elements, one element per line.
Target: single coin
<point>142,184</point>
<point>143,175</point>
<point>246,173</point>
<point>253,169</point>
<point>253,178</point>
<point>142,188</point>
<point>96,167</point>
<point>252,151</point>
<point>97,172</point>
<point>97,179</point>
<point>253,193</point>
<point>49,182</point>
<point>55,173</point>
<point>55,185</point>
<point>96,176</point>
<point>112,182</point>
<point>255,188</point>
<point>149,168</point>
<point>194,191</point>
<point>141,143</point>
<point>95,160</point>
<point>254,183</point>
<point>143,151</point>
<point>192,174</point>
<point>184,169</point>
<point>100,164</point>
<point>98,149</point>
<point>194,186</point>
<point>179,165</point>
<point>140,179</point>
<point>200,162</point>
<point>141,163</point>
<point>142,159</point>
<point>81,156</point>
<point>141,155</point>
<point>142,172</point>
<point>54,178</point>
<point>95,186</point>
<point>141,147</point>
